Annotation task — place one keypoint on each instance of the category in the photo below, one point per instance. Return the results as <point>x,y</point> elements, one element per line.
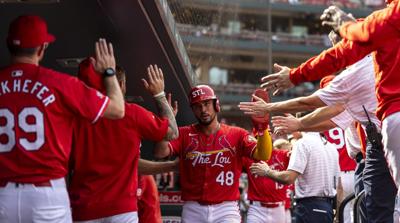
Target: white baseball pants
<point>259,214</point>
<point>129,217</point>
<point>20,203</point>
<point>225,212</point>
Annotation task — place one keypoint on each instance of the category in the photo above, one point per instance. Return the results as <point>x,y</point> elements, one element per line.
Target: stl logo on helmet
<point>198,93</point>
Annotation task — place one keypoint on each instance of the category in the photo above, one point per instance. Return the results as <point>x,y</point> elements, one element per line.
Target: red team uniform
<point>264,189</point>
<point>105,162</point>
<point>36,121</point>
<point>267,197</point>
<point>211,165</point>
<point>336,137</point>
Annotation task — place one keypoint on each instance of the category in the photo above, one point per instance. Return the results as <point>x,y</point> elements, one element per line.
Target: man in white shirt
<point>314,168</point>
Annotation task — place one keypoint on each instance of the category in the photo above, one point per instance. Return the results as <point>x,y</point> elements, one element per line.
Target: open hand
<point>155,80</point>
<point>260,169</point>
<point>257,108</point>
<point>104,56</point>
<point>279,81</point>
<point>286,124</point>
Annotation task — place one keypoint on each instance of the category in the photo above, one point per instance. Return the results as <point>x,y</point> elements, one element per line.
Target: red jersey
<point>379,27</point>
<point>344,53</point>
<point>336,137</point>
<point>38,107</point>
<point>265,189</point>
<point>105,161</point>
<point>210,166</point>
<point>148,200</point>
<point>288,199</point>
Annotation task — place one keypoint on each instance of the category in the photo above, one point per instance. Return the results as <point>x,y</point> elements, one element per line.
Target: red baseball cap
<point>28,31</point>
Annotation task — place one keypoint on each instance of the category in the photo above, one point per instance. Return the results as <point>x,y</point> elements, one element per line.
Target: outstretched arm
<point>260,108</point>
<point>104,58</point>
<point>155,85</point>
<point>317,121</point>
<point>161,149</point>
<point>147,167</point>
<point>283,177</point>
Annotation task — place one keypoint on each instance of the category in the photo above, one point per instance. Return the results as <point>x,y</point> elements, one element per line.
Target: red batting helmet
<point>203,93</point>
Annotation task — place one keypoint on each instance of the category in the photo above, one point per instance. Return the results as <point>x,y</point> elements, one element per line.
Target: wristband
<point>159,95</point>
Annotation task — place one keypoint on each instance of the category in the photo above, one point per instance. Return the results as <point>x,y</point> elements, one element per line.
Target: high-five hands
<point>277,82</point>
<point>104,56</point>
<point>155,80</point>
<point>258,107</point>
<point>286,124</point>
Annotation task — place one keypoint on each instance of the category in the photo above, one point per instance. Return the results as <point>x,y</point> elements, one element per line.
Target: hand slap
<point>277,82</point>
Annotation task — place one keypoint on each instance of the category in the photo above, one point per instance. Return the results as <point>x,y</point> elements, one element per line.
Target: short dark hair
<point>18,51</point>
<point>120,73</point>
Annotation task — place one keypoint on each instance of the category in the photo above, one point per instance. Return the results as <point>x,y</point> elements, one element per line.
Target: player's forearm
<point>116,106</point>
<point>320,119</point>
<point>296,105</point>
<point>283,177</point>
<point>263,149</point>
<point>161,150</point>
<point>318,127</point>
<point>147,167</point>
<point>166,112</point>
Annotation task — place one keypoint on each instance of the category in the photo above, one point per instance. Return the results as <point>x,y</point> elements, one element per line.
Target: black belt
<point>327,199</point>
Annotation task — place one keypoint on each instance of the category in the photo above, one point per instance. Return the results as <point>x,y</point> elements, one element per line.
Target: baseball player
<point>314,168</point>
<point>210,156</point>
<point>105,159</point>
<point>38,107</point>
<point>267,197</point>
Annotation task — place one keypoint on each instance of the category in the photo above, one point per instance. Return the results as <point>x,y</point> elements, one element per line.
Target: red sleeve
<point>149,126</point>
<point>379,27</point>
<point>330,61</point>
<point>83,100</point>
<point>175,145</point>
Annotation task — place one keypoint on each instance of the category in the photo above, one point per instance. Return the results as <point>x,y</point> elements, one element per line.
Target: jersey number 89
<point>225,179</point>
<point>8,129</point>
